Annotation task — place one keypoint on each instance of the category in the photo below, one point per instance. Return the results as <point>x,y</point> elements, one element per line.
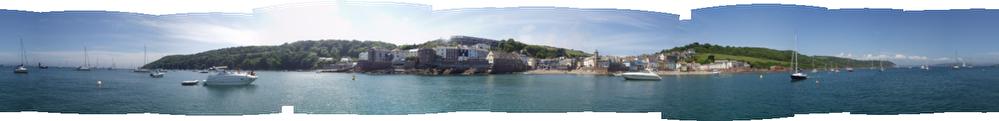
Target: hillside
<point>288,56</point>
<point>508,45</point>
<point>305,54</point>
<point>764,57</point>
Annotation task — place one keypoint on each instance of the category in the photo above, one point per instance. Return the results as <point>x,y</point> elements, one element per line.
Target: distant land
<point>764,57</point>
<point>304,55</point>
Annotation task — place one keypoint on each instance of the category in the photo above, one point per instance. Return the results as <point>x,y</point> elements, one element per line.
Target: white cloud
<point>206,33</point>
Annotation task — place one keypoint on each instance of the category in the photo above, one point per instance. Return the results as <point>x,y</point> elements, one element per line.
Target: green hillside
<point>288,56</point>
<point>305,54</point>
<point>764,57</point>
<point>511,45</point>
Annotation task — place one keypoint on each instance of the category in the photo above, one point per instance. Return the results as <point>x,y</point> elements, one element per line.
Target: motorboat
<point>189,82</point>
<point>157,74</point>
<point>224,77</point>
<point>40,66</point>
<point>641,76</point>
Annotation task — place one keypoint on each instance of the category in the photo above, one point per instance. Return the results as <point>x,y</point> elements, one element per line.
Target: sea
<point>725,96</point>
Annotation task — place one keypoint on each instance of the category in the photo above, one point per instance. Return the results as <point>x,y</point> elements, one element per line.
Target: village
<point>473,55</point>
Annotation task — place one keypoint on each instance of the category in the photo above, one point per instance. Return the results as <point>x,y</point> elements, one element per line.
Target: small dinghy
<point>189,82</point>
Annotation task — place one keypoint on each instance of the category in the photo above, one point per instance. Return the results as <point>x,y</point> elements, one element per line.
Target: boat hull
<point>798,78</point>
<point>640,76</point>
<point>229,79</point>
<point>21,71</point>
<point>156,75</point>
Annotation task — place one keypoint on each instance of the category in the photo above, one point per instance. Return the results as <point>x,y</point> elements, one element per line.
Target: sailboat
<point>925,66</point>
<point>86,61</point>
<point>814,68</point>
<point>881,65</point>
<point>140,69</point>
<point>112,64</point>
<point>796,76</point>
<point>20,68</point>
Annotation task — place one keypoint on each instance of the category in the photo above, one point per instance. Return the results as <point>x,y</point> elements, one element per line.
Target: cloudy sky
<point>906,34</point>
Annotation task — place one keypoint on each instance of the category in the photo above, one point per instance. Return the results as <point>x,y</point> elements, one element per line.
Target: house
<point>374,59</point>
<point>503,62</point>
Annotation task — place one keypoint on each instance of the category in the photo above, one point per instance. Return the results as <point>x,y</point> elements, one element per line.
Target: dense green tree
<point>765,57</point>
<point>288,56</point>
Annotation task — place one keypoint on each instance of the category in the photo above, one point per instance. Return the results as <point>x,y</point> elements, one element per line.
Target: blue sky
<point>902,36</point>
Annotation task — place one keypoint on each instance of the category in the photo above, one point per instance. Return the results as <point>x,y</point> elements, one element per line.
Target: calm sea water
<point>706,97</point>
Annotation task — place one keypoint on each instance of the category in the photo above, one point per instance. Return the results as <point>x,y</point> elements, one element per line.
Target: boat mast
<point>143,55</point>
<point>86,57</point>
<point>24,55</point>
<point>794,54</point>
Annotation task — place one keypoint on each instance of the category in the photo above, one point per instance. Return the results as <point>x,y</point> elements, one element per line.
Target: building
<point>374,59</point>
<point>426,58</point>
<point>723,65</point>
<point>503,62</point>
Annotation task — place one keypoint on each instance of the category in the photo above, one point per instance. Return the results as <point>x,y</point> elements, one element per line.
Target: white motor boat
<point>641,76</point>
<point>157,74</point>
<point>230,78</point>
<point>189,82</point>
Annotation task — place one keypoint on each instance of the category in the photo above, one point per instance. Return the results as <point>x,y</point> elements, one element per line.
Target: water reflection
<point>223,91</point>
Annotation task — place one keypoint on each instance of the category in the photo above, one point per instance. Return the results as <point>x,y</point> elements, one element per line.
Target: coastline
<point>578,72</point>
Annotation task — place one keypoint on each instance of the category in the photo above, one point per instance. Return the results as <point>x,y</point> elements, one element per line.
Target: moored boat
<point>796,75</point>
<point>157,74</point>
<point>224,77</point>
<point>20,68</point>
<point>641,76</point>
<point>189,82</point>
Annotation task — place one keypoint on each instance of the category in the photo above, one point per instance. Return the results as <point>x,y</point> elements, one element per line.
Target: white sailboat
<point>140,69</point>
<point>20,68</point>
<point>796,76</point>
<point>86,61</point>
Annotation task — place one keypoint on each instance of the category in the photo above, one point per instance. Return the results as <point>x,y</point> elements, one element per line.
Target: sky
<point>909,35</point>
